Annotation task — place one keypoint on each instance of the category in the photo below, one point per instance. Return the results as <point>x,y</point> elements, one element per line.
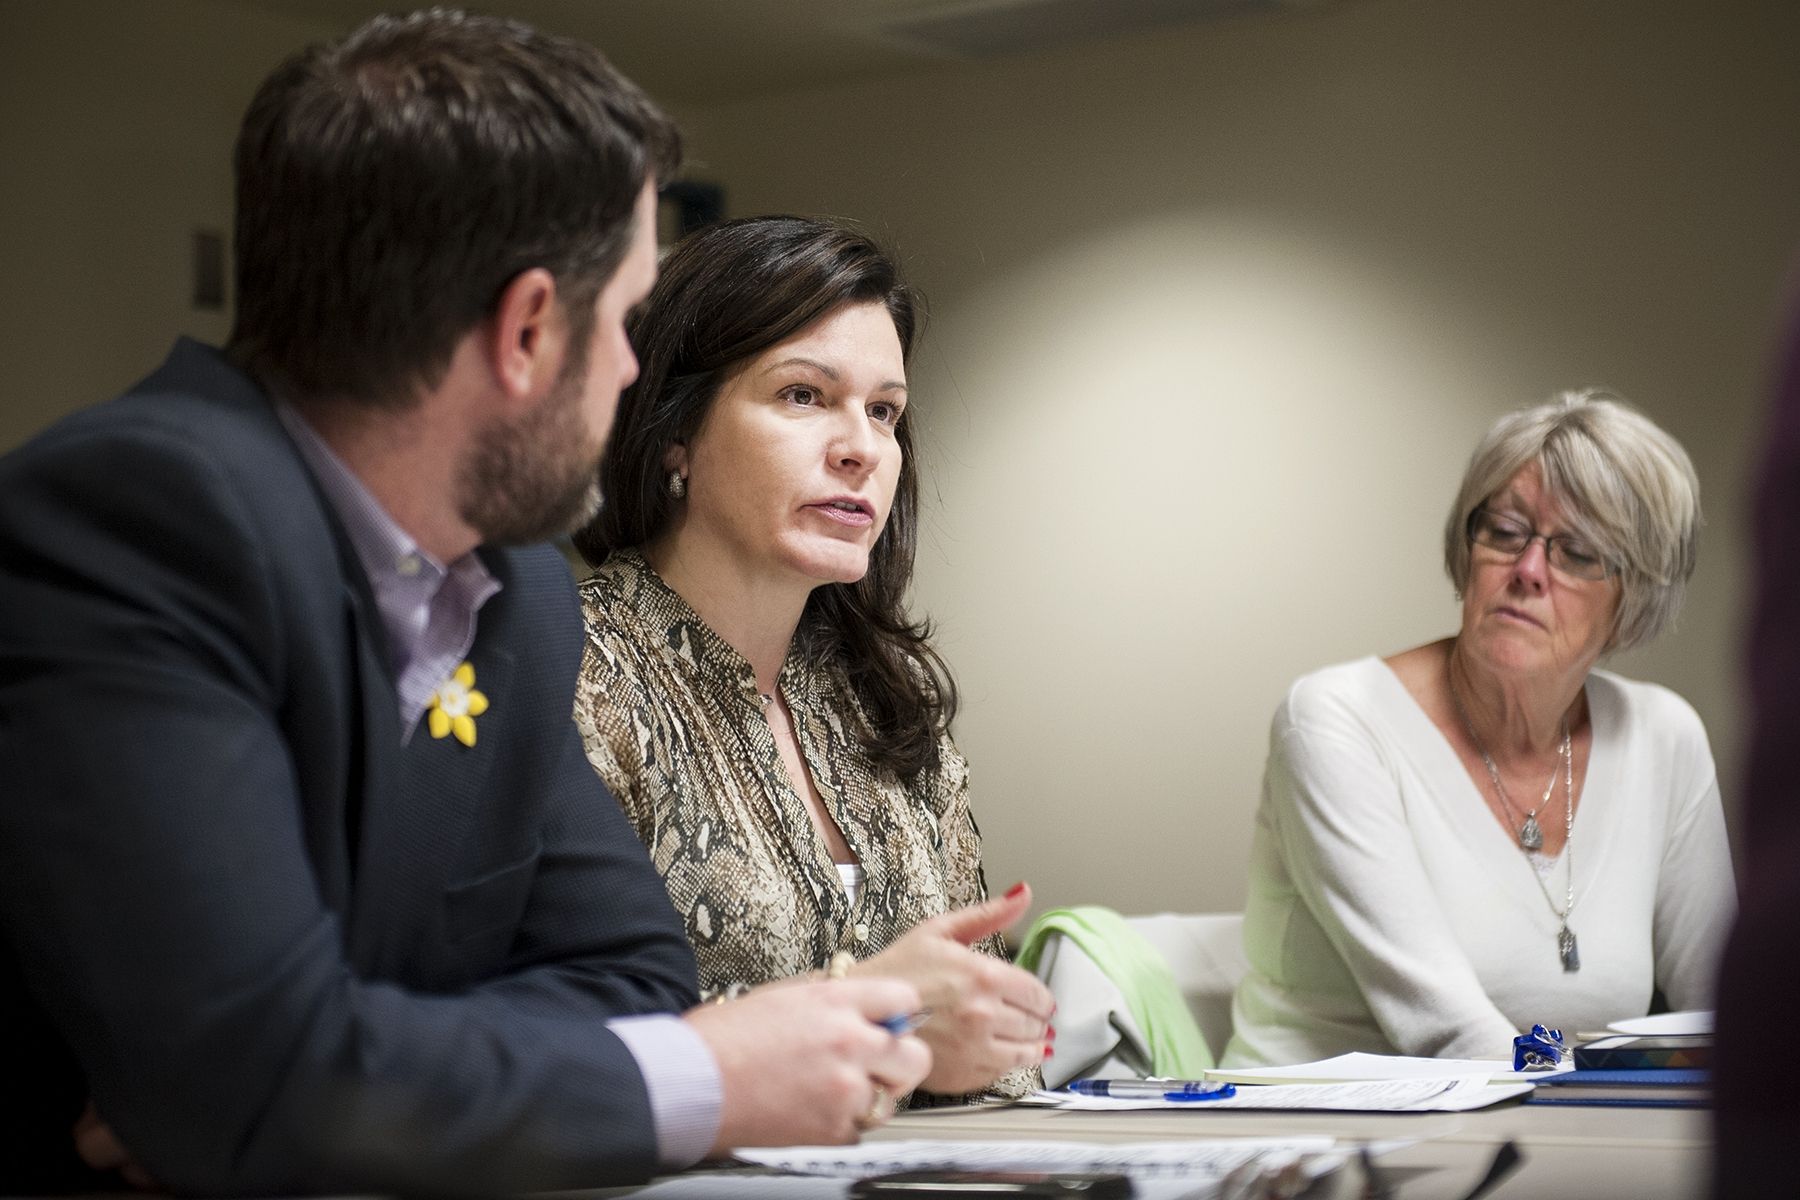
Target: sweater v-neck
<point>1465,804</point>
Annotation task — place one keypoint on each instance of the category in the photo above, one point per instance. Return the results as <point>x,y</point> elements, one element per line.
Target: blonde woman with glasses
<point>1488,831</point>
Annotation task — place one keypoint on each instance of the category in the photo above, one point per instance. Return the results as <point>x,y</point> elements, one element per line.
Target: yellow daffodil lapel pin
<point>455,707</point>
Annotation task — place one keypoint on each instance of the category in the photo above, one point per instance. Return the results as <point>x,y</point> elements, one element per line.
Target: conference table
<point>1570,1152</point>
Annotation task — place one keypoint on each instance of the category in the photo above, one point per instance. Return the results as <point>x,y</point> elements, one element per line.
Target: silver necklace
<point>1531,834</point>
<point>1531,837</point>
<point>1565,937</point>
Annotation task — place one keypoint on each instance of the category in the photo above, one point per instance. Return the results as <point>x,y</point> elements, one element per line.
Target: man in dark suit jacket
<point>305,881</point>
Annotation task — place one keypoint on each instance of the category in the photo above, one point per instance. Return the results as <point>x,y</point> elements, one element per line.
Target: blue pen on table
<point>1183,1090</point>
<point>901,1024</point>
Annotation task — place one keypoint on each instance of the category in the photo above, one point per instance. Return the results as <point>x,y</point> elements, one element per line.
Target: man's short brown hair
<point>390,186</point>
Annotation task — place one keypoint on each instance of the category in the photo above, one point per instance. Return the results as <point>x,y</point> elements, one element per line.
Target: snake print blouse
<point>672,722</point>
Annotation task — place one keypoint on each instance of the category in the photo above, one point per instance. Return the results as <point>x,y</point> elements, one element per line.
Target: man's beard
<point>537,476</point>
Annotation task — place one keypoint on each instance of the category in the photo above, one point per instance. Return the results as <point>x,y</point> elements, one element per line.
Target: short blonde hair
<point>1624,485</point>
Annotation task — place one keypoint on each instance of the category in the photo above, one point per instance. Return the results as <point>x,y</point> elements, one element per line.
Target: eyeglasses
<point>1566,553</point>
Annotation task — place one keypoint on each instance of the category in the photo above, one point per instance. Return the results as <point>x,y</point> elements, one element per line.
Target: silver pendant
<point>1531,835</point>
<point>1571,953</point>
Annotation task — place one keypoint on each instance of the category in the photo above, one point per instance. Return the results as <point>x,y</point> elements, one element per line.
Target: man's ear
<point>527,337</point>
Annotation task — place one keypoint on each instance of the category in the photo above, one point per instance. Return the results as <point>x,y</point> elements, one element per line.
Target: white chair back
<point>1205,951</point>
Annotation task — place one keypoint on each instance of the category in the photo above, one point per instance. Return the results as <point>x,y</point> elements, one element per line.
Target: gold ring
<point>878,1111</point>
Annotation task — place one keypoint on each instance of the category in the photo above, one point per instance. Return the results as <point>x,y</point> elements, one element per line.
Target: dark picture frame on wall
<point>685,205</point>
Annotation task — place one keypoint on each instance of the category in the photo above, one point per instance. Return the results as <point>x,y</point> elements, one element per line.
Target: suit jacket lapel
<point>333,814</point>
<point>378,723</point>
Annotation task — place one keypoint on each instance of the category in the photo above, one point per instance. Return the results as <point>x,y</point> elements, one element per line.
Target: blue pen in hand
<point>901,1024</point>
<point>1183,1090</point>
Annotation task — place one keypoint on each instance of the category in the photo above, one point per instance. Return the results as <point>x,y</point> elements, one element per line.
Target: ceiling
<point>698,52</point>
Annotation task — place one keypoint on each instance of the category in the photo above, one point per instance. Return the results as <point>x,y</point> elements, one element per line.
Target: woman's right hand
<point>988,1017</point>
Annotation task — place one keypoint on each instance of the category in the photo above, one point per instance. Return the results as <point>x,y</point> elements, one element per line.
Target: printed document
<point>1200,1160</point>
<point>1381,1095</point>
<point>1347,1068</point>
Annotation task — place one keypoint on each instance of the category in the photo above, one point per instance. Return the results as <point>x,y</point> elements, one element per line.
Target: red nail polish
<point>1015,889</point>
<point>1051,1033</point>
<point>1049,1051</point>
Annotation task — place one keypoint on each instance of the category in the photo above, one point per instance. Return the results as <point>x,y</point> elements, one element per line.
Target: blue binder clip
<point>1539,1050</point>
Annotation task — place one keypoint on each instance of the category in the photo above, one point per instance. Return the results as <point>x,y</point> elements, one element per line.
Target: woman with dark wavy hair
<point>754,692</point>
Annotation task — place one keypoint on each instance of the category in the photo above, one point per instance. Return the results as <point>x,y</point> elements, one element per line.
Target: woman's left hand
<point>988,1017</point>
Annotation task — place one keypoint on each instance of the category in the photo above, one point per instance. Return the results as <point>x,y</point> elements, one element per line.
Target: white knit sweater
<point>1389,911</point>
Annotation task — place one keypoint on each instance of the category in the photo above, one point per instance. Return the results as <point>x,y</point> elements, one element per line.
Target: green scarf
<point>1178,1049</point>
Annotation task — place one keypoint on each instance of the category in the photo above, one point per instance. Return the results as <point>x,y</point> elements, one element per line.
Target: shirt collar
<point>386,551</point>
<point>399,569</point>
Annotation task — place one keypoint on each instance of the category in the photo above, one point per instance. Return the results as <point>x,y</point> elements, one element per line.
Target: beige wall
<point>116,124</point>
<point>1218,317</point>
